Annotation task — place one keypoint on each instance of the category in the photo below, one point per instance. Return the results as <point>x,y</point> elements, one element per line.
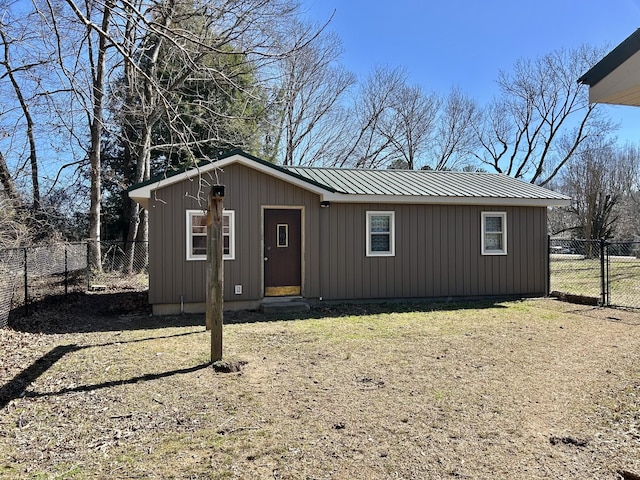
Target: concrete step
<point>291,306</point>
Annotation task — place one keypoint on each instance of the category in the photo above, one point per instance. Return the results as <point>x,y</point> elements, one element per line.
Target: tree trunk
<point>142,148</point>
<point>8,185</point>
<point>33,157</point>
<point>135,212</point>
<point>95,263</point>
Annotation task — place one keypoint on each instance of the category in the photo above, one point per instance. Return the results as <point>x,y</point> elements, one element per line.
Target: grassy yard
<point>624,276</point>
<point>531,389</point>
<point>576,275</point>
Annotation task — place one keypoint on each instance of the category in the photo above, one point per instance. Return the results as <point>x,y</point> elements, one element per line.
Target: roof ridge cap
<point>402,170</point>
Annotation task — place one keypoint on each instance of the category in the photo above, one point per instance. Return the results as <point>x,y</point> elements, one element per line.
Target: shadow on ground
<point>15,388</point>
<point>359,308</point>
<point>81,312</point>
<point>19,385</point>
<point>84,312</point>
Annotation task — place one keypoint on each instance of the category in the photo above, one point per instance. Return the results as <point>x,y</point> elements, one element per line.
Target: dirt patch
<point>226,366</point>
<point>533,389</point>
<point>568,441</point>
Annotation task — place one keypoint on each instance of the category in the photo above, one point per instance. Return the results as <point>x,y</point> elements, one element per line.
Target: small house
<point>345,234</point>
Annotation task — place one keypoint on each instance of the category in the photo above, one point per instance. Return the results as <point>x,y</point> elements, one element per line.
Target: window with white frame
<point>494,233</point>
<point>197,235</point>
<point>380,234</point>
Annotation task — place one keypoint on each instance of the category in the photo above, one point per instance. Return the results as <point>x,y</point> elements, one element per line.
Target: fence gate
<point>608,272</point>
<point>622,274</point>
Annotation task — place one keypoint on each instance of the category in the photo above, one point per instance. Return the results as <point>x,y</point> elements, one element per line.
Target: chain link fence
<point>31,274</point>
<point>124,265</point>
<point>623,274</point>
<point>607,273</point>
<point>11,270</point>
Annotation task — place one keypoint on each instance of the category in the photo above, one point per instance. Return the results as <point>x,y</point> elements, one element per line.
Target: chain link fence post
<point>603,280</point>
<point>26,284</point>
<point>66,273</point>
<point>87,253</point>
<point>548,286</point>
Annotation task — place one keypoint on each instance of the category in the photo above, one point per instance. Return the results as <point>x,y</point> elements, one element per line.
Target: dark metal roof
<point>402,185</point>
<point>612,60</point>
<point>426,183</point>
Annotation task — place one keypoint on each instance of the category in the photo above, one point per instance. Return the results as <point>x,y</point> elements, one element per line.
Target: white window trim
<point>503,216</point>
<point>232,235</point>
<point>392,234</point>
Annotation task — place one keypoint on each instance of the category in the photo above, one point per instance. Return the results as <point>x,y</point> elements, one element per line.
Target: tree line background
<point>98,95</point>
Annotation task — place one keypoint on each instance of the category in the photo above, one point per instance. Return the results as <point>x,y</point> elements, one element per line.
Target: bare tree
<point>313,84</point>
<point>390,123</point>
<point>157,54</point>
<point>628,166</point>
<point>409,123</point>
<point>12,70</point>
<point>541,117</point>
<point>82,70</point>
<point>31,102</point>
<point>213,44</point>
<point>142,105</point>
<point>455,137</point>
<point>598,179</point>
<point>362,146</point>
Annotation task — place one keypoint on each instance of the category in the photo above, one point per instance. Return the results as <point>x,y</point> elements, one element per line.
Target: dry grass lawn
<point>531,389</point>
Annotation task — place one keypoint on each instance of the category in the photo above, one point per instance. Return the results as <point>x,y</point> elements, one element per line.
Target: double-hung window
<point>494,233</point>
<point>197,235</point>
<point>380,234</point>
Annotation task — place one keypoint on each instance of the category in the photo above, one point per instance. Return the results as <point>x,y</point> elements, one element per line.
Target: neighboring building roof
<point>382,186</point>
<point>616,78</point>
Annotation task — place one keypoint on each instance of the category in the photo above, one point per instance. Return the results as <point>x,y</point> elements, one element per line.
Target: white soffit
<point>621,86</point>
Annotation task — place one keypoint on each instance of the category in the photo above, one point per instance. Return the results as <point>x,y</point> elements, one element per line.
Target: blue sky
<point>466,42</point>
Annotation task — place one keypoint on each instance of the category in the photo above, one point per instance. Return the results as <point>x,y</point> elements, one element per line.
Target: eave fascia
<point>440,200</point>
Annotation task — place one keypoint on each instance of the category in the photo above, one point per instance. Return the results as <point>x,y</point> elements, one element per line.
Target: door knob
<point>266,258</point>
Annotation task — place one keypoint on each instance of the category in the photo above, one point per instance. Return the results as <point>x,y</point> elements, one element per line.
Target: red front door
<point>282,252</point>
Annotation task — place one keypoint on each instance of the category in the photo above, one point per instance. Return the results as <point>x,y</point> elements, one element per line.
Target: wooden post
<point>215,270</point>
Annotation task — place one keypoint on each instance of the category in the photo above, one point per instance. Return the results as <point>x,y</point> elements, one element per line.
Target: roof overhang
<point>621,86</point>
<point>143,193</point>
<point>616,78</point>
<point>441,200</point>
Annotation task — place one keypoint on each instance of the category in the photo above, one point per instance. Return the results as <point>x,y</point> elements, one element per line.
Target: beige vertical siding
<point>173,279</point>
<point>437,253</point>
